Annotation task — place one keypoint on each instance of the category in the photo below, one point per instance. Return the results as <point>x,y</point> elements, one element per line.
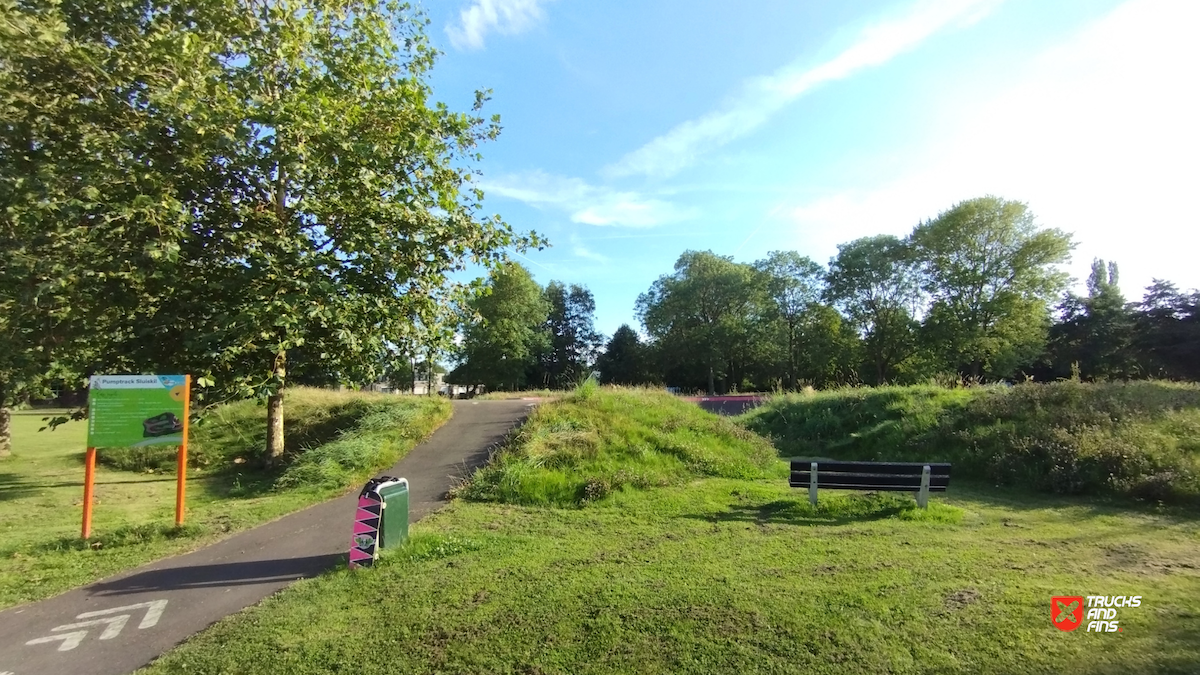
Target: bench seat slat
<point>825,478</point>
<point>901,468</point>
<point>871,488</point>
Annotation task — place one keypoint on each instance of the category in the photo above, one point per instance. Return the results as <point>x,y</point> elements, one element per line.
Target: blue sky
<point>636,130</point>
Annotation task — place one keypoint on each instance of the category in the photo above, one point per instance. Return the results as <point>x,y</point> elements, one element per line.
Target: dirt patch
<point>960,599</point>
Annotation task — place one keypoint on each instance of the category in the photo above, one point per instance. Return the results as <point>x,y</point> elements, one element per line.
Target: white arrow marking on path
<point>69,640</point>
<point>115,624</point>
<point>154,610</point>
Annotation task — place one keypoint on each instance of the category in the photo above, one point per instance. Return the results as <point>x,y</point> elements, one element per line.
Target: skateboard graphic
<point>161,425</point>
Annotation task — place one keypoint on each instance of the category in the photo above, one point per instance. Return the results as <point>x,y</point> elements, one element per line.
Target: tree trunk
<point>275,412</point>
<point>791,358</point>
<point>5,420</point>
<point>711,389</point>
<point>5,434</point>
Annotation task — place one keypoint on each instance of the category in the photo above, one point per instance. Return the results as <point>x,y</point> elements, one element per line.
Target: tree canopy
<point>245,178</point>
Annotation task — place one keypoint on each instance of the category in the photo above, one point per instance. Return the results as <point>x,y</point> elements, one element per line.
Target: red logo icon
<point>1066,611</point>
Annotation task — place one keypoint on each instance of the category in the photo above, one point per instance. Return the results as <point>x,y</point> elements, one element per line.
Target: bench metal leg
<point>812,484</point>
<point>923,495</point>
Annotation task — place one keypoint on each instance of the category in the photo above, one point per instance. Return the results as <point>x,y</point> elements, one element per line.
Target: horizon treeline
<point>976,294</point>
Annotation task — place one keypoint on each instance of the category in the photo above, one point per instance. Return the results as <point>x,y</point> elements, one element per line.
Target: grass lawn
<point>334,438</point>
<point>723,571</point>
<point>733,576</point>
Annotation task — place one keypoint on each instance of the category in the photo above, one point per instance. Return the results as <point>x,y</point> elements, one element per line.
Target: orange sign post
<point>181,458</point>
<point>89,478</point>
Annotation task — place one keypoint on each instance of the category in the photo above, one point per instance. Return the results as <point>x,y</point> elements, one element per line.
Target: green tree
<point>506,333</point>
<point>829,353</point>
<point>875,282</point>
<point>572,340</point>
<point>991,273</point>
<point>625,359</point>
<point>704,317</point>
<point>1096,333</point>
<point>1168,332</point>
<point>794,283</point>
<point>243,178</point>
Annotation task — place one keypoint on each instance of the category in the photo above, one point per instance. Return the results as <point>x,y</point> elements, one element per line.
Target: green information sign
<point>133,410</point>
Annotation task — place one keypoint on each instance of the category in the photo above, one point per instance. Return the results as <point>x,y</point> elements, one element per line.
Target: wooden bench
<point>918,477</point>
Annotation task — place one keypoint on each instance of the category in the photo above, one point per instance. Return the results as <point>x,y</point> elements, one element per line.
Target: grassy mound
<point>332,438</point>
<point>599,440</point>
<point>1139,439</point>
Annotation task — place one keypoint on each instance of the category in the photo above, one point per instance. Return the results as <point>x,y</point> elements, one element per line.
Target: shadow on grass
<point>13,487</point>
<point>1017,498</point>
<point>843,510</point>
<point>121,537</point>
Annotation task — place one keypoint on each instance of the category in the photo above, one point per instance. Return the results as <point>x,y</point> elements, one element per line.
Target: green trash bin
<point>393,531</point>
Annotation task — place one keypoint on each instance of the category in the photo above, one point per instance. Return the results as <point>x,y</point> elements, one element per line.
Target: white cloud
<point>582,251</point>
<point>764,96</point>
<point>586,204</point>
<point>507,17</point>
<point>1100,139</point>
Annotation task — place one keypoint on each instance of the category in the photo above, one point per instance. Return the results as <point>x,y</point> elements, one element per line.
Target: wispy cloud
<point>582,251</point>
<point>586,204</point>
<point>1098,138</point>
<point>762,97</point>
<point>507,17</point>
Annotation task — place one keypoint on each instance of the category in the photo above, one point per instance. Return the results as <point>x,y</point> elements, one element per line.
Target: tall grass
<point>598,440</point>
<point>1140,439</point>
<point>332,438</point>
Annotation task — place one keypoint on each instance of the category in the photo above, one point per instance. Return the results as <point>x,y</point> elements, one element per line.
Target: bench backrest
<point>896,476</point>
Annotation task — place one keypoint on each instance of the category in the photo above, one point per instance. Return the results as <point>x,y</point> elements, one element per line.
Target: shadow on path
<point>221,575</point>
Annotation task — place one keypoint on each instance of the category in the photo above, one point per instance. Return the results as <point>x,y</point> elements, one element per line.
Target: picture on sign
<point>126,411</point>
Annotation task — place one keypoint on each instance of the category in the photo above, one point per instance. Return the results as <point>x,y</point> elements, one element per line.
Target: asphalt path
<point>120,624</point>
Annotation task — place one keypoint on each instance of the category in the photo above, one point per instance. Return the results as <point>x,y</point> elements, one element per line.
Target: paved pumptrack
<point>120,624</point>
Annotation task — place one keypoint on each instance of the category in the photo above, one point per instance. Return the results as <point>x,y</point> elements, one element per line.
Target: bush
<point>1137,439</point>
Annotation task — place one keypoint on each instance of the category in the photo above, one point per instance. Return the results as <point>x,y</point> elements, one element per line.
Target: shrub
<point>1136,439</point>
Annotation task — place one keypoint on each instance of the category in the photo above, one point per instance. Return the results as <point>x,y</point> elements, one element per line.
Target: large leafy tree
<point>705,316</point>
<point>572,340</point>
<point>874,281</point>
<point>625,359</point>
<point>991,274</point>
<point>1095,336</point>
<point>505,333</point>
<point>794,283</point>
<point>1167,325</point>
<point>830,351</point>
<point>214,185</point>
